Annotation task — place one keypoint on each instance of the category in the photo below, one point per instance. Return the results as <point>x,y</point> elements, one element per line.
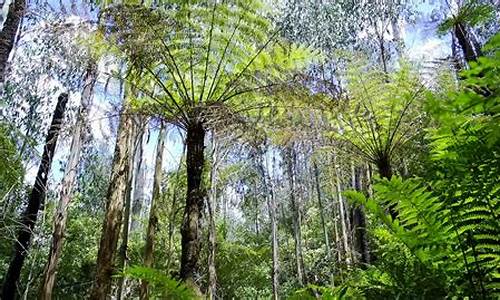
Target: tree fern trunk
<point>29,216</point>
<point>190,241</point>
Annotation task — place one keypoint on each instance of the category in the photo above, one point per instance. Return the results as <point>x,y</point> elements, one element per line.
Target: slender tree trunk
<point>139,197</point>
<point>114,210</point>
<point>212,238</point>
<point>9,32</point>
<point>274,234</point>
<point>338,243</point>
<point>173,211</point>
<point>342,212</point>
<point>190,241</point>
<point>134,141</point>
<point>153,216</point>
<point>359,226</point>
<point>263,168</point>
<point>297,215</point>
<point>320,206</point>
<point>29,216</point>
<point>68,182</point>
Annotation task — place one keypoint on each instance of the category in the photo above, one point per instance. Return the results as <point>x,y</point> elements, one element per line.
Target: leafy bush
<point>161,285</point>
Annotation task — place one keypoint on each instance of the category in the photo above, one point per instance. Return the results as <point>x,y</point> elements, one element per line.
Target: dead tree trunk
<point>114,210</point>
<point>153,217</point>
<point>9,32</point>
<point>68,182</point>
<point>29,216</point>
<point>190,241</point>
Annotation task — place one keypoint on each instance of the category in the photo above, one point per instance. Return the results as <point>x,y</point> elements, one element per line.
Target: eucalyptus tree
<point>153,213</point>
<point>36,197</point>
<point>115,196</point>
<point>199,61</point>
<point>68,183</point>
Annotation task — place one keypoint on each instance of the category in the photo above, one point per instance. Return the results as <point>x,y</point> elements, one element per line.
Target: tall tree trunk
<point>68,182</point>
<point>134,144</point>
<point>274,234</point>
<point>343,216</point>
<point>320,206</point>
<point>190,241</point>
<point>212,233</point>
<point>359,220</point>
<point>263,168</point>
<point>139,197</point>
<point>9,32</point>
<point>297,214</point>
<point>29,216</point>
<point>153,217</point>
<point>470,47</point>
<point>114,209</point>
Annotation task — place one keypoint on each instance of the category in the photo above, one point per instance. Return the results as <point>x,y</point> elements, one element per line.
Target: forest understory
<point>250,149</point>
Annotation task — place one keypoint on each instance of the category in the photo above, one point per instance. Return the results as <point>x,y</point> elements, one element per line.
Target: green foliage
<point>243,268</point>
<point>11,169</point>
<point>471,13</point>
<point>161,285</point>
<point>382,114</point>
<point>200,57</point>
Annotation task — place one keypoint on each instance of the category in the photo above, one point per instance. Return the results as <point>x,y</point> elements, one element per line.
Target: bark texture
<point>470,47</point>
<point>212,233</point>
<point>274,236</point>
<point>263,168</point>
<point>153,217</point>
<point>114,210</point>
<point>134,141</point>
<point>190,231</point>
<point>36,198</point>
<point>139,196</point>
<point>359,220</point>
<point>68,182</point>
<point>320,206</point>
<point>9,32</point>
<point>297,213</point>
<point>344,220</point>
